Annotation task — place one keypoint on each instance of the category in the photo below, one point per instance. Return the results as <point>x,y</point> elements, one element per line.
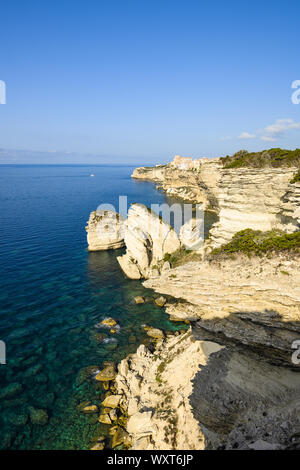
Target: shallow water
<point>53,292</point>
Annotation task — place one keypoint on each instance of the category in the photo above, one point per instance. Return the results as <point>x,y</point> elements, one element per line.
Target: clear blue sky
<point>143,80</point>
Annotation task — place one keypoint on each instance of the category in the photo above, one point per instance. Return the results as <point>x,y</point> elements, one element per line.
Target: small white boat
<point>92,174</point>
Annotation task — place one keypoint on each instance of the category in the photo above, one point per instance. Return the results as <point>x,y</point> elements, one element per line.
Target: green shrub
<point>181,256</point>
<point>256,242</point>
<point>275,158</point>
<point>296,178</point>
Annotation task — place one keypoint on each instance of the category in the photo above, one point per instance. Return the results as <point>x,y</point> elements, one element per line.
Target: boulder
<point>104,418</point>
<point>160,301</point>
<point>107,374</point>
<point>98,446</point>
<point>112,401</point>
<point>105,230</point>
<point>120,437</point>
<point>139,299</point>
<point>113,414</point>
<point>90,409</point>
<point>155,333</point>
<point>109,322</point>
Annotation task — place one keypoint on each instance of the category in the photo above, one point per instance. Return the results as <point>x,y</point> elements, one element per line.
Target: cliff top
<point>274,158</point>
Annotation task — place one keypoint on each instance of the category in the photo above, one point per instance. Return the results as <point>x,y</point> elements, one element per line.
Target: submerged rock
<point>11,390</point>
<point>38,416</point>
<point>139,299</point>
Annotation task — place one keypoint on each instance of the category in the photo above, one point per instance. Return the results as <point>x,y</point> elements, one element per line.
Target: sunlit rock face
<point>255,198</point>
<point>192,234</point>
<point>105,231</point>
<point>148,238</point>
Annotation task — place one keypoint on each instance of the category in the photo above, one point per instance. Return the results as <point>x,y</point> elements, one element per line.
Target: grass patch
<point>296,178</point>
<point>181,256</point>
<point>274,158</point>
<point>258,243</point>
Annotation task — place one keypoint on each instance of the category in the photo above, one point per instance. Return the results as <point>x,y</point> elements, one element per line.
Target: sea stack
<point>148,239</point>
<point>105,230</point>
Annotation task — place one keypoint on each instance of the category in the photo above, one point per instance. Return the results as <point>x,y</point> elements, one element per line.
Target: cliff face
<point>261,199</point>
<point>194,394</point>
<point>232,380</point>
<point>257,198</point>
<point>198,184</point>
<point>147,238</point>
<point>156,388</point>
<point>252,302</point>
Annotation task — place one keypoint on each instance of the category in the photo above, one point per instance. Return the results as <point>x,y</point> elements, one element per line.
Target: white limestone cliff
<point>105,230</point>
<point>147,238</point>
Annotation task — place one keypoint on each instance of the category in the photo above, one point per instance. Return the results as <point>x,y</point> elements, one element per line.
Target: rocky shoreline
<point>230,381</point>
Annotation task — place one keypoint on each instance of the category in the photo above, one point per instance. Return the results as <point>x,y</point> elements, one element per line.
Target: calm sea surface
<point>53,292</point>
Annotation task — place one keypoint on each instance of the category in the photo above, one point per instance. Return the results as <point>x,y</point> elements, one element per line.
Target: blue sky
<point>140,81</point>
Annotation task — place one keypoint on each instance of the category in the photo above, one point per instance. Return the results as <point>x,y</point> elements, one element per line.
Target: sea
<point>54,293</point>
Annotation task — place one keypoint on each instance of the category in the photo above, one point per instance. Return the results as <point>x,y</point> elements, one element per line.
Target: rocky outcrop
<point>156,388</point>
<point>257,198</point>
<point>290,207</point>
<point>105,231</point>
<point>192,234</point>
<point>148,239</point>
<point>192,394</point>
<point>196,183</point>
<point>254,198</point>
<point>252,302</point>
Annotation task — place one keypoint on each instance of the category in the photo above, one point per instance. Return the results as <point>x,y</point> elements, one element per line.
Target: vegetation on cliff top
<point>181,256</point>
<point>296,178</point>
<point>274,158</point>
<point>257,242</point>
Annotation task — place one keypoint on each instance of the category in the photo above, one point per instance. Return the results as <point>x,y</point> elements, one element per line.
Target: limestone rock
<point>107,374</point>
<point>155,333</point>
<point>119,437</point>
<point>196,181</point>
<point>160,301</point>
<point>148,238</point>
<point>104,418</point>
<point>112,401</point>
<point>109,322</point>
<point>105,230</point>
<point>255,198</point>
<point>98,446</point>
<point>192,234</point>
<point>113,414</point>
<point>139,299</point>
<point>261,306</point>
<point>160,408</point>
<point>90,409</point>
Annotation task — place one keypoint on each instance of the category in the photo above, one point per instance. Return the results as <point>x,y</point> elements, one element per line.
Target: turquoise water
<point>53,293</point>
